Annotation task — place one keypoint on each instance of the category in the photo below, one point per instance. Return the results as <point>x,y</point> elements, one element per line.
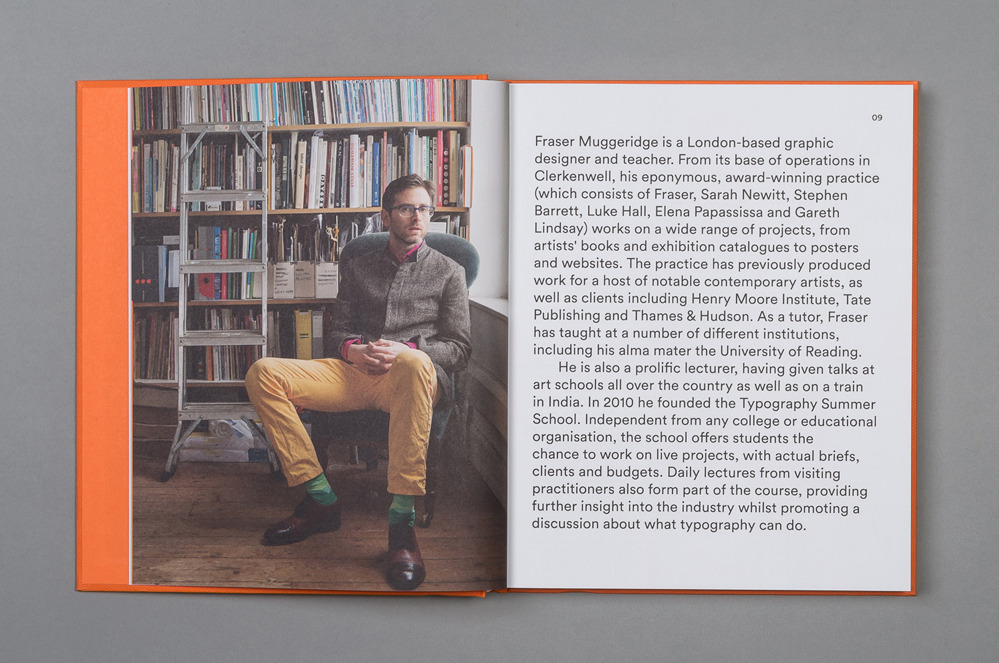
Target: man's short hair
<point>411,181</point>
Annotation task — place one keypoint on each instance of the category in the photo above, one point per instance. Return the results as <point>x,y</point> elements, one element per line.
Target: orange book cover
<point>114,544</point>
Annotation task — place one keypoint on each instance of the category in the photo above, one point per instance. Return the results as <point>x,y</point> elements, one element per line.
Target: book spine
<point>174,176</point>
<point>223,239</point>
<point>273,159</point>
<point>240,179</point>
<point>322,176</point>
<point>216,254</point>
<point>368,186</point>
<point>300,167</point>
<point>341,146</point>
<point>147,177</point>
<point>385,161</point>
<point>286,166</point>
<point>317,334</point>
<point>355,171</point>
<point>376,171</point>
<point>313,199</point>
<point>315,103</point>
<point>136,167</point>
<point>439,166</point>
<point>303,334</point>
<point>444,183</point>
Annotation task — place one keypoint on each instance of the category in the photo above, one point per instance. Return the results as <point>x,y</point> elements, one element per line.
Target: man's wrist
<point>345,349</point>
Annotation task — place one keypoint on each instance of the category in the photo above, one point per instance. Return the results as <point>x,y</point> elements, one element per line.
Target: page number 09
<point>876,117</point>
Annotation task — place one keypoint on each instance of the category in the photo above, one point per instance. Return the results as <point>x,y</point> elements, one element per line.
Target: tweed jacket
<point>423,301</point>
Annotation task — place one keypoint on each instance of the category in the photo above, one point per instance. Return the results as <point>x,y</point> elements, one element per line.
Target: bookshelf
<point>331,148</point>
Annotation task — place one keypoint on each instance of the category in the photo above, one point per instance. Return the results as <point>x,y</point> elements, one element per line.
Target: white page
<point>713,392</point>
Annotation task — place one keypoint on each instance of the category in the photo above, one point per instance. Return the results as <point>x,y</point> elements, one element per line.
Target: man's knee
<point>414,361</point>
<point>260,373</point>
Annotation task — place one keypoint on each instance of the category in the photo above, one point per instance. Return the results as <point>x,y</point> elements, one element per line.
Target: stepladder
<point>222,304</point>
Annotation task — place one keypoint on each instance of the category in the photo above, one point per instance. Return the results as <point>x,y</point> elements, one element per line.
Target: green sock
<point>320,490</point>
<point>402,510</point>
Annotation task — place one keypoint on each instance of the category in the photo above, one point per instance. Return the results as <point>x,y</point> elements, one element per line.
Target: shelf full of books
<point>155,167</point>
<point>293,103</point>
<point>344,169</point>
<point>295,329</point>
<point>330,168</point>
<point>334,144</point>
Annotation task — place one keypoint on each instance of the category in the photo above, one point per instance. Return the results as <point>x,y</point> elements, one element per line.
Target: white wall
<point>490,212</point>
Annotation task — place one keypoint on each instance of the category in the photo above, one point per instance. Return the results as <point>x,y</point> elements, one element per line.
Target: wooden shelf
<point>190,383</point>
<point>369,126</point>
<point>155,133</point>
<point>153,216</point>
<point>333,128</point>
<point>278,212</point>
<point>236,302</point>
<point>354,210</point>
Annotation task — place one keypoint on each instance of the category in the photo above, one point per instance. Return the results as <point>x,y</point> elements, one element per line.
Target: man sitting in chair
<point>401,324</point>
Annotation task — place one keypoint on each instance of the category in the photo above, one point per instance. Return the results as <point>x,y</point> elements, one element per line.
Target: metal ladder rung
<point>220,410</point>
<point>219,265</point>
<point>223,196</point>
<point>222,127</point>
<point>203,337</point>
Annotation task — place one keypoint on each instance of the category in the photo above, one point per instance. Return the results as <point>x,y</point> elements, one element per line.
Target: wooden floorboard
<point>203,528</point>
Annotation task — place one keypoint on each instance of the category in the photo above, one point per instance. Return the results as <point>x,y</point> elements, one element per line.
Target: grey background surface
<point>951,47</point>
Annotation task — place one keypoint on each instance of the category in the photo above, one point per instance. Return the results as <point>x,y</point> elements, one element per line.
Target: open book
<point>708,291</point>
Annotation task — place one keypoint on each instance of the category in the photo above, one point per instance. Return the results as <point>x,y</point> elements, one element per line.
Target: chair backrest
<point>456,248</point>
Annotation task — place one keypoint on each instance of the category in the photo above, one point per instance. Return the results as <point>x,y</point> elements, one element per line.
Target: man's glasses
<point>409,211</point>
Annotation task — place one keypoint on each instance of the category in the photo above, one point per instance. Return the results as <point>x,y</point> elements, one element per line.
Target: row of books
<point>155,168</point>
<point>220,362</point>
<point>218,243</point>
<point>290,333</point>
<point>301,241</point>
<point>226,362</point>
<point>225,164</point>
<point>320,171</point>
<point>297,333</point>
<point>303,102</point>
<point>156,267</point>
<point>449,223</point>
<point>155,273</point>
<point>319,237</point>
<point>306,172</point>
<point>311,239</point>
<point>315,238</point>
<point>156,108</point>
<point>154,338</point>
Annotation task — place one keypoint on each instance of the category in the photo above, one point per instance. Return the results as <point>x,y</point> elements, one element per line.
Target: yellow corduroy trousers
<point>407,392</point>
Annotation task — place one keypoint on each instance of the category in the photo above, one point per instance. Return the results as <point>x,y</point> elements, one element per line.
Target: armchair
<point>367,429</point>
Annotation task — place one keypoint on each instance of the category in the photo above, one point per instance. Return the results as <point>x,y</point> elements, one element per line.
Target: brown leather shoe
<point>309,518</point>
<point>405,569</point>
